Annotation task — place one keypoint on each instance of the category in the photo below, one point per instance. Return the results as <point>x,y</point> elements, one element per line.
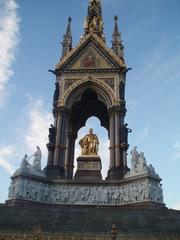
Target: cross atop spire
<point>94,21</point>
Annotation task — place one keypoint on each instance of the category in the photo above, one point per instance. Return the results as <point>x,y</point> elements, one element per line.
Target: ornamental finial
<point>94,20</point>
<point>117,46</point>
<point>67,39</point>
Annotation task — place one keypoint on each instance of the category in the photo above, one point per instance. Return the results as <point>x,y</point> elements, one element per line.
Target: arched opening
<point>102,135</point>
<point>88,106</point>
<point>81,102</point>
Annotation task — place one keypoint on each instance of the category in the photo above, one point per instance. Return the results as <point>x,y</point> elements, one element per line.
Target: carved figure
<point>24,163</point>
<point>139,164</point>
<point>134,159</point>
<point>52,133</point>
<point>37,159</point>
<point>86,24</point>
<point>100,24</point>
<point>56,92</point>
<point>121,90</point>
<point>89,144</point>
<point>143,189</point>
<point>93,3</point>
<point>152,169</point>
<point>126,131</point>
<point>142,162</point>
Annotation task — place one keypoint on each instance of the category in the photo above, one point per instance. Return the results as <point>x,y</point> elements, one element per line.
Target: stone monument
<point>90,81</point>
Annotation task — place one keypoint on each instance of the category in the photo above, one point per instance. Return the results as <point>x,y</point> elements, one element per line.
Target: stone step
<point>80,219</point>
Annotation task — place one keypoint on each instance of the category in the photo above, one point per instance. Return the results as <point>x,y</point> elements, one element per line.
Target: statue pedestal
<point>88,168</point>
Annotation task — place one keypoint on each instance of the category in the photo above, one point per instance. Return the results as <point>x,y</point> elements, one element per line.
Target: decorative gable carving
<point>90,54</point>
<point>91,58</point>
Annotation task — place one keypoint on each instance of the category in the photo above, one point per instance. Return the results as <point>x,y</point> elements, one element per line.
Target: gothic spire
<point>117,46</point>
<point>94,21</point>
<point>67,39</point>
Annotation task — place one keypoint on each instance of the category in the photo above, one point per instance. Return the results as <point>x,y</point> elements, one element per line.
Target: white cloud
<point>9,38</point>
<point>177,149</point>
<point>7,153</point>
<point>36,132</point>
<point>32,132</point>
<point>177,206</point>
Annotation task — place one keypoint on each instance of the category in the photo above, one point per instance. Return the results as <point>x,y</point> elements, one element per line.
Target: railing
<point>20,236</point>
<point>37,234</point>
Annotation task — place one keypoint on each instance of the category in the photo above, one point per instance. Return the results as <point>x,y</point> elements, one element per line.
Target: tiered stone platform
<point>145,223</point>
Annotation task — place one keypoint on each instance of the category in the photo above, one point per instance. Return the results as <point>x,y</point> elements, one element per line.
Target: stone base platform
<point>133,190</point>
<point>131,223</point>
<point>88,168</point>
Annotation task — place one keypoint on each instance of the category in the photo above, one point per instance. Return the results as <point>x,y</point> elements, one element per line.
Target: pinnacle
<point>116,18</point>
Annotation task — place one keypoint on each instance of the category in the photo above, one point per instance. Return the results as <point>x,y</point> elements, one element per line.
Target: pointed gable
<point>90,54</point>
<point>91,58</point>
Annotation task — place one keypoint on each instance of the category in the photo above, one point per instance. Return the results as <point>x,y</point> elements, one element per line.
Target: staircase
<point>90,220</point>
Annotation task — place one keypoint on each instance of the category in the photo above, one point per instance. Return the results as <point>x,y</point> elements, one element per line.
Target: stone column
<point>56,162</point>
<point>117,140</point>
<point>63,142</point>
<point>71,158</point>
<point>69,162</point>
<point>51,148</point>
<point>58,139</point>
<point>117,148</point>
<point>124,145</point>
<point>112,140</point>
<point>67,156</point>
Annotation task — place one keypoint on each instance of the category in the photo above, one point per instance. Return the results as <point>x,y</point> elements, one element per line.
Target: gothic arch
<point>86,99</point>
<point>103,91</point>
<point>88,105</point>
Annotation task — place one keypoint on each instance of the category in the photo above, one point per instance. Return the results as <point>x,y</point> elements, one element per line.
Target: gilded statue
<point>89,144</point>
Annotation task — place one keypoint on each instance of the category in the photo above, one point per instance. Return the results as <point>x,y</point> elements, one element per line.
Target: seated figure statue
<point>89,144</point>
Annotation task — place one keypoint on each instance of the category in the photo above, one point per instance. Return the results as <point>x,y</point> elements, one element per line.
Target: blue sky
<point>30,37</point>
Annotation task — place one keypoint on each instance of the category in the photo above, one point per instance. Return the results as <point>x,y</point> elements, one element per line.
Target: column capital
<point>50,146</point>
<point>61,110</point>
<point>123,147</point>
<point>117,110</point>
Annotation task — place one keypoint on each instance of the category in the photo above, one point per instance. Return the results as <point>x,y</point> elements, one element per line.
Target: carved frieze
<point>136,191</point>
